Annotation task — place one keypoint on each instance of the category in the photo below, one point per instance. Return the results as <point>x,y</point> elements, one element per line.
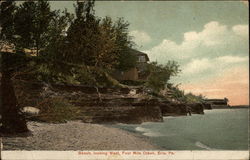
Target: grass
<point>56,110</point>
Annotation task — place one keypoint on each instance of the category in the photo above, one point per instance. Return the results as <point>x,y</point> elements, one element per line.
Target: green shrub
<point>160,74</point>
<point>57,110</point>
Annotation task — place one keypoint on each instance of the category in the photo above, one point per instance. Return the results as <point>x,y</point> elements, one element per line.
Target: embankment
<point>108,105</point>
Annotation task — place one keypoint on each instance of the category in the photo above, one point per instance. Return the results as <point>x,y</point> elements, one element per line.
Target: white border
<point>125,155</point>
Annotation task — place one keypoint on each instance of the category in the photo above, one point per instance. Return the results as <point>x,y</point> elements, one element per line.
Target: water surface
<point>218,129</point>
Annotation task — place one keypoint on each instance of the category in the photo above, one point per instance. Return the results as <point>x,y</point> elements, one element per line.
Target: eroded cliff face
<point>101,105</point>
<point>196,108</point>
<point>108,105</point>
<point>173,109</point>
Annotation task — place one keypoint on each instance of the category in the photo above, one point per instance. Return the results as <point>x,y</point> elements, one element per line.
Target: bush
<point>56,110</point>
<point>160,74</point>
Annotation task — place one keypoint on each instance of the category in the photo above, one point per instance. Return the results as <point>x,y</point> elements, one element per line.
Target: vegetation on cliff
<point>57,47</point>
<point>180,95</point>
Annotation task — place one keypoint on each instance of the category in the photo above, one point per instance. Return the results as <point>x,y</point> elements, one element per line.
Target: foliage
<point>31,23</point>
<point>179,95</point>
<point>126,57</point>
<point>7,10</point>
<point>57,34</point>
<point>82,36</point>
<point>160,74</point>
<point>54,71</point>
<point>98,42</point>
<point>80,51</point>
<point>191,98</point>
<point>56,109</point>
<point>85,39</point>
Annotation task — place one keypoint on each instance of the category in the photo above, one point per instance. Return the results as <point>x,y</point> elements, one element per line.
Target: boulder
<point>30,110</point>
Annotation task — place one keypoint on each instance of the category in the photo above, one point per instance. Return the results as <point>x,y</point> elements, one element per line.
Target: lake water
<point>218,129</point>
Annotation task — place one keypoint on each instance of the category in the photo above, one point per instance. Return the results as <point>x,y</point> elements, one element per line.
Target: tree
<point>57,34</point>
<point>106,56</point>
<point>126,58</point>
<point>82,35</point>
<point>7,12</point>
<point>12,119</point>
<point>191,98</point>
<point>160,74</point>
<point>31,24</point>
<point>98,42</point>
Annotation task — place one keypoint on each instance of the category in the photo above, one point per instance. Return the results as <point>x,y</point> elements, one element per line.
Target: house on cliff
<point>135,73</point>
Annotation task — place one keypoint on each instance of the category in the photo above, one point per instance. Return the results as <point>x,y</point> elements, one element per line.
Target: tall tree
<point>7,12</point>
<point>57,31</point>
<point>82,35</point>
<point>126,59</point>
<point>98,42</point>
<point>12,119</point>
<point>31,24</point>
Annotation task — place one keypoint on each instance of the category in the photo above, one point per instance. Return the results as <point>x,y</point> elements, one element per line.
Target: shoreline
<point>75,135</point>
<point>137,135</point>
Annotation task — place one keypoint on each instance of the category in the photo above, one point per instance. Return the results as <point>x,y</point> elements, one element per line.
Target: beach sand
<point>75,135</point>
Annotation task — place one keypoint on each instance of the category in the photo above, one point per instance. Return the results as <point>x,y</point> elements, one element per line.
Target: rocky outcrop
<point>173,109</point>
<point>108,105</point>
<point>117,109</point>
<point>196,108</point>
<point>207,106</point>
<point>105,105</point>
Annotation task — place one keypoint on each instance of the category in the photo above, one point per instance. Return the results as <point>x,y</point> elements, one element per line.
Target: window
<point>141,59</point>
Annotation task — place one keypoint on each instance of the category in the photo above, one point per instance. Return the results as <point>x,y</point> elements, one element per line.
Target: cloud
<point>231,59</point>
<point>232,83</point>
<point>167,50</point>
<point>241,30</point>
<point>214,61</point>
<point>212,34</point>
<point>214,40</point>
<point>197,66</point>
<point>140,37</point>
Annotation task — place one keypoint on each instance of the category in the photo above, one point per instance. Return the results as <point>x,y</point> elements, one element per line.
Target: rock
<point>196,108</point>
<point>30,110</point>
<point>132,92</point>
<point>207,106</point>
<point>173,109</point>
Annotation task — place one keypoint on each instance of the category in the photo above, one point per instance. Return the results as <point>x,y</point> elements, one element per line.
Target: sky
<point>209,39</point>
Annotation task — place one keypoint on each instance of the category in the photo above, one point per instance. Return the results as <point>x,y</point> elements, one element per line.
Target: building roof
<point>139,53</point>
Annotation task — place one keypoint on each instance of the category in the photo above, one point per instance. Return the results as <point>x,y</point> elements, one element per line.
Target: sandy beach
<point>75,135</point>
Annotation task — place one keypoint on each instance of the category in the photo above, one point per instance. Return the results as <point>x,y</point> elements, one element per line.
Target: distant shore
<point>75,135</point>
<point>239,106</point>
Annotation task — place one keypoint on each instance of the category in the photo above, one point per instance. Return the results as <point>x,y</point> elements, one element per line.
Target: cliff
<point>108,105</point>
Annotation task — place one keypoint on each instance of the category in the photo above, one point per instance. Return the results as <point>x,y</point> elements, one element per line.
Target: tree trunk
<point>12,119</point>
